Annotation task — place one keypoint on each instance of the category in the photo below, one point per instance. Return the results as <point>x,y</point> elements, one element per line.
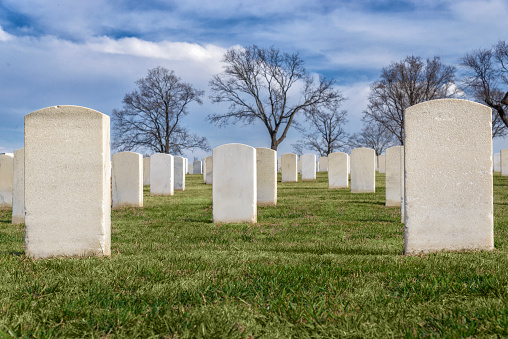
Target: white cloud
<point>4,36</point>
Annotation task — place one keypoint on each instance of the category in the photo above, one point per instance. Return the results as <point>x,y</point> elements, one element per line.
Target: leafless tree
<point>373,135</point>
<point>327,133</point>
<point>260,84</point>
<point>151,118</point>
<point>486,80</point>
<point>404,84</point>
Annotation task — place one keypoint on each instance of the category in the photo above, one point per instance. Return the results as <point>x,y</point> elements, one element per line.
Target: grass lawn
<point>322,264</point>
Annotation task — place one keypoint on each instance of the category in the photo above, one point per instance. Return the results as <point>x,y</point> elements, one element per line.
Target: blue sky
<point>90,53</point>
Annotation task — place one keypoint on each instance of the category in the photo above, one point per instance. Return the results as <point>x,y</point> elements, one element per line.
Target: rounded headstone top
<point>66,109</point>
<point>233,145</point>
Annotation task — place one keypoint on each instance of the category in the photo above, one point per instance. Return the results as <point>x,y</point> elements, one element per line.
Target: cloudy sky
<point>90,53</point>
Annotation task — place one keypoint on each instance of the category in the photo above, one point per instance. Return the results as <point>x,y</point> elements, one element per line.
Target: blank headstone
<point>191,168</point>
<point>6,180</point>
<point>18,188</point>
<point>161,174</point>
<point>67,182</point>
<point>179,173</point>
<point>497,162</point>
<point>266,161</point>
<point>393,176</point>
<point>197,168</point>
<point>279,165</point>
<point>289,167</point>
<point>338,170</point>
<point>308,166</point>
<point>323,164</point>
<point>504,162</point>
<point>146,171</point>
<point>363,170</point>
<point>127,171</point>
<point>186,165</point>
<point>381,163</point>
<point>448,176</point>
<point>209,170</point>
<point>234,184</point>
<point>402,213</point>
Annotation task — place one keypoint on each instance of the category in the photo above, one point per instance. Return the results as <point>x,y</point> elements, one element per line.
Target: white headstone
<point>381,163</point>
<point>127,170</point>
<point>289,167</point>
<point>323,164</point>
<point>448,176</point>
<point>279,165</point>
<point>146,171</point>
<point>338,176</point>
<point>504,162</point>
<point>308,166</point>
<point>6,180</point>
<point>67,182</point>
<point>18,188</point>
<point>161,174</point>
<point>186,165</point>
<point>179,173</point>
<point>266,161</point>
<point>191,168</point>
<point>393,176</point>
<point>234,184</point>
<point>363,170</point>
<point>209,170</point>
<point>497,162</point>
<point>197,167</point>
<point>402,213</point>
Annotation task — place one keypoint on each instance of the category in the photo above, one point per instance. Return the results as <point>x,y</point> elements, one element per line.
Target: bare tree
<point>486,80</point>
<point>259,85</point>
<point>327,133</point>
<point>151,118</point>
<point>404,84</point>
<point>373,135</point>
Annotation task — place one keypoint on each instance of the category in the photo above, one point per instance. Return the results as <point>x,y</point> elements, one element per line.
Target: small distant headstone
<point>402,213</point>
<point>6,180</point>
<point>161,174</point>
<point>127,171</point>
<point>146,171</point>
<point>266,162</point>
<point>191,168</point>
<point>497,162</point>
<point>363,170</point>
<point>18,188</point>
<point>209,170</point>
<point>338,176</point>
<point>504,162</point>
<point>234,184</point>
<point>323,164</point>
<point>308,167</point>
<point>393,176</point>
<point>448,177</point>
<point>381,163</point>
<point>289,167</point>
<point>179,168</point>
<point>197,167</point>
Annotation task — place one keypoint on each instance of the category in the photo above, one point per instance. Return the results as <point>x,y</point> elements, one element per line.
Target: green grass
<point>322,264</point>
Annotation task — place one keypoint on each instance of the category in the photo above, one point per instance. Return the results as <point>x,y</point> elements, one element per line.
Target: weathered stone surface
<point>504,162</point>
<point>323,164</point>
<point>209,170</point>
<point>363,170</point>
<point>67,182</point>
<point>381,163</point>
<point>393,176</point>
<point>18,188</point>
<point>234,184</point>
<point>448,176</point>
<point>146,171</point>
<point>197,168</point>
<point>308,167</point>
<point>6,180</point>
<point>497,162</point>
<point>179,168</point>
<point>266,162</point>
<point>289,167</point>
<point>127,171</point>
<point>161,174</point>
<point>338,171</point>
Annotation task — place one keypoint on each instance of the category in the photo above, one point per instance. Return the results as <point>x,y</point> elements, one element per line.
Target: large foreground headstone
<point>161,174</point>
<point>67,182</point>
<point>323,164</point>
<point>497,162</point>
<point>393,176</point>
<point>18,187</point>
<point>266,160</point>
<point>308,166</point>
<point>209,170</point>
<point>197,167</point>
<point>179,165</point>
<point>363,170</point>
<point>146,171</point>
<point>6,180</point>
<point>234,184</point>
<point>127,170</point>
<point>448,176</point>
<point>338,171</point>
<point>289,167</point>
<point>504,162</point>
